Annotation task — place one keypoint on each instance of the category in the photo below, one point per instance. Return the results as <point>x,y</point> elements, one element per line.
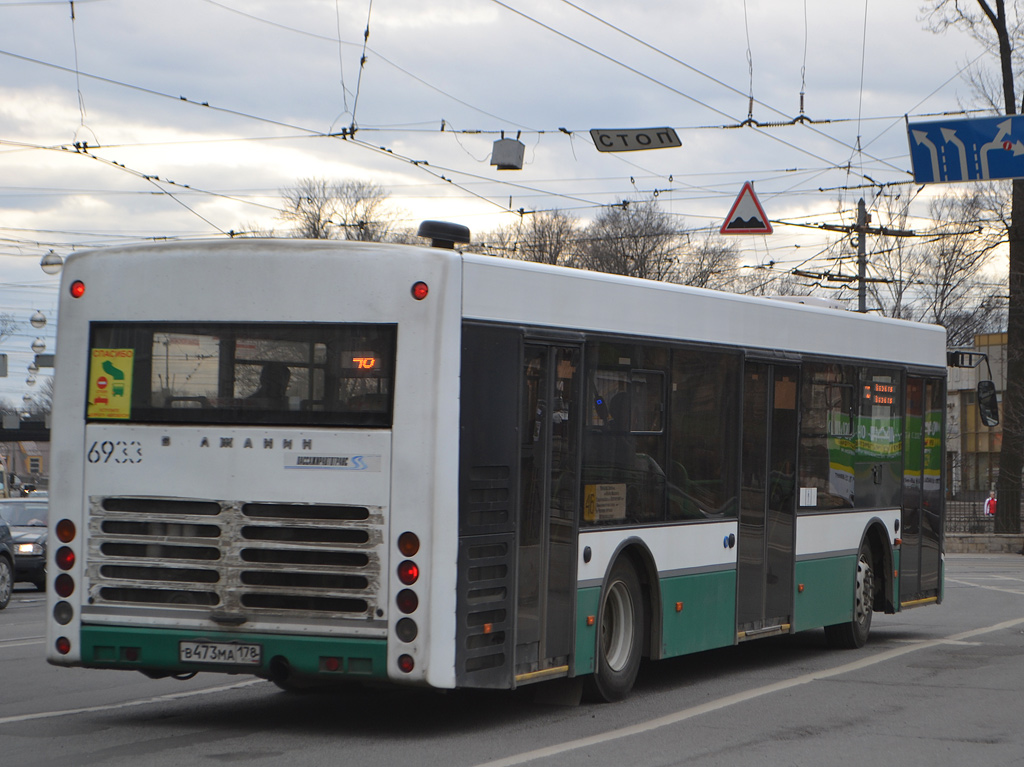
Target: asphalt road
<point>937,686</point>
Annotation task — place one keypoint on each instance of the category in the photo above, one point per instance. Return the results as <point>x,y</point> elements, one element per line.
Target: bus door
<point>921,524</point>
<point>765,554</point>
<point>549,475</point>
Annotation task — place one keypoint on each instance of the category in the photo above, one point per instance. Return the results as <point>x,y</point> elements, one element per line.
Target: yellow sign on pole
<point>110,383</point>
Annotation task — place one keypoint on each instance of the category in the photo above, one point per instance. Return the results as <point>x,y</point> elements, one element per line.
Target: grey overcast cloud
<point>127,121</point>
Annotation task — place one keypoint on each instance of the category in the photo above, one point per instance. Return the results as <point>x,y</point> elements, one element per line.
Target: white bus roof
<point>515,291</point>
<point>505,291</point>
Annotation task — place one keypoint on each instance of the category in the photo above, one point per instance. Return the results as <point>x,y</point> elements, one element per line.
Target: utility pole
<point>863,219</point>
<point>863,230</point>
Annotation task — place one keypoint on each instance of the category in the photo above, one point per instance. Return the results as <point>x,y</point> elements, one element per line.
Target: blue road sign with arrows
<point>982,149</point>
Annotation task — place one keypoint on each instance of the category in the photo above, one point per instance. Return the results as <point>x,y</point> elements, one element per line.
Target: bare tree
<point>362,211</point>
<point>636,238</point>
<point>952,291</point>
<point>710,263</point>
<point>894,264</point>
<point>548,237</point>
<point>310,207</point>
<point>997,27</point>
<point>42,401</point>
<point>8,326</point>
<point>348,210</point>
<point>551,237</point>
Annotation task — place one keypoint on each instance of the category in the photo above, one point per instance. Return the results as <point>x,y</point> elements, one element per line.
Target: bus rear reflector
<point>330,664</point>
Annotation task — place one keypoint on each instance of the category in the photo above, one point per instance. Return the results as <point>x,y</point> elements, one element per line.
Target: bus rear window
<point>254,373</point>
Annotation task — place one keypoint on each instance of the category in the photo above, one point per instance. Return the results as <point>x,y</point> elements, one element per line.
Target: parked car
<point>27,520</point>
<point>6,564</point>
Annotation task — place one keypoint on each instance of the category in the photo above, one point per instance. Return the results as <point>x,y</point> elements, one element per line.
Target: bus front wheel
<point>620,639</point>
<point>854,634</point>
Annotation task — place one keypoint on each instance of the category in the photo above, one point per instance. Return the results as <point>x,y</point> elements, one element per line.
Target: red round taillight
<point>408,572</point>
<point>408,544</point>
<point>420,290</point>
<point>407,601</point>
<point>65,558</point>
<point>77,289</point>
<point>63,645</point>
<point>64,585</point>
<point>66,531</point>
<point>406,663</point>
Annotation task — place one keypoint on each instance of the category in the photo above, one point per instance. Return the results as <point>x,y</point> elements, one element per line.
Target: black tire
<point>620,634</point>
<point>6,581</point>
<point>854,634</point>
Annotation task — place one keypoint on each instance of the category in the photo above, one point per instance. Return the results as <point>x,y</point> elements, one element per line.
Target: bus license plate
<point>236,653</point>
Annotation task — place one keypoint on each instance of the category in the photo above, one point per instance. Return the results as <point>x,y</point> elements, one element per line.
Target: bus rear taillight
<point>407,601</point>
<point>420,290</point>
<point>63,613</point>
<point>63,645</point>
<point>66,531</point>
<point>65,558</point>
<point>406,663</point>
<point>408,572</point>
<point>407,630</point>
<point>64,585</point>
<point>77,289</point>
<point>408,544</point>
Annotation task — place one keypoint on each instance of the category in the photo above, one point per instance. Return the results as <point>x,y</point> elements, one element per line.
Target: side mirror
<point>988,406</point>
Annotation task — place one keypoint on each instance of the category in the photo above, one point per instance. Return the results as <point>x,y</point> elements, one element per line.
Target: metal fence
<point>965,516</point>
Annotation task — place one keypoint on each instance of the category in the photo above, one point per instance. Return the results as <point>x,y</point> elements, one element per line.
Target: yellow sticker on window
<point>110,383</point>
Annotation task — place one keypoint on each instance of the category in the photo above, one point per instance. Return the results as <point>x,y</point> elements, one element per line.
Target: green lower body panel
<point>824,592</point>
<point>587,603</point>
<point>160,650</point>
<point>699,612</point>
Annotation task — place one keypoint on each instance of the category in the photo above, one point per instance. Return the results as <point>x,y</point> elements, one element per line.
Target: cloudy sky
<point>190,116</point>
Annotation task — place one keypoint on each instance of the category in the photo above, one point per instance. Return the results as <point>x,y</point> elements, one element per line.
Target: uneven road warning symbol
<point>746,216</point>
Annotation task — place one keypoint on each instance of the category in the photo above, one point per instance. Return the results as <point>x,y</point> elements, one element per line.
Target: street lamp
<point>39,346</point>
<point>38,320</point>
<point>51,263</point>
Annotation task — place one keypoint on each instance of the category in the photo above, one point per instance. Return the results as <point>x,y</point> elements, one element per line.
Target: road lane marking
<point>1018,592</point>
<point>20,642</point>
<point>741,697</point>
<point>127,703</point>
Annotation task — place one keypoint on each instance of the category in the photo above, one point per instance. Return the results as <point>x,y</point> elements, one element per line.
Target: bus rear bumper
<point>281,658</point>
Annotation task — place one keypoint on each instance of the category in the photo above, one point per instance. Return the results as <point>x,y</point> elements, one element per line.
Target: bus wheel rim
<point>617,626</point>
<point>864,591</point>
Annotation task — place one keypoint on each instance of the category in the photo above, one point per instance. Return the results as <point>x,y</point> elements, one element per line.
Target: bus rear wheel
<point>620,639</point>
<point>852,635</point>
<point>6,582</point>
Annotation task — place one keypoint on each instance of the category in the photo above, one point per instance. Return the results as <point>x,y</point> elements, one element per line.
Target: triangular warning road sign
<point>746,216</point>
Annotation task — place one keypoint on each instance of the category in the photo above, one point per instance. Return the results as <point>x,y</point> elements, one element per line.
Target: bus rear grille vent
<point>484,631</point>
<point>270,561</point>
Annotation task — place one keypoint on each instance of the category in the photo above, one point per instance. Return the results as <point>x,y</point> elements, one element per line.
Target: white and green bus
<point>320,461</point>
